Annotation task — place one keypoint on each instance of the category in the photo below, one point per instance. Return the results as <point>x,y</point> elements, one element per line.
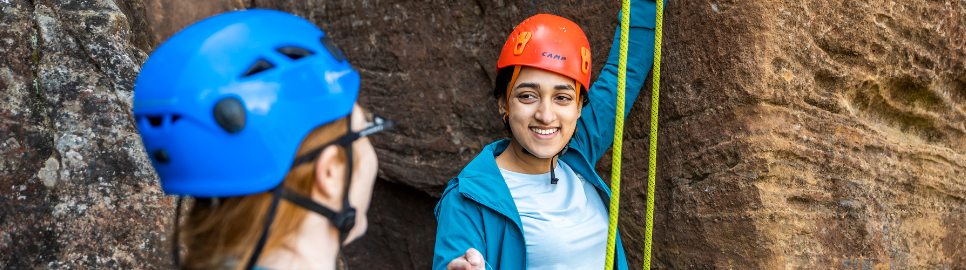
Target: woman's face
<point>364,169</point>
<point>543,110</point>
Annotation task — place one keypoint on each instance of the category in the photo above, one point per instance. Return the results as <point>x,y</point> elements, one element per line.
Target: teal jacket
<point>477,210</point>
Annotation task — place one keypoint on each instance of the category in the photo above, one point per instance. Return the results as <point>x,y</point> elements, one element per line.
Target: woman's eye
<point>564,98</point>
<point>526,96</point>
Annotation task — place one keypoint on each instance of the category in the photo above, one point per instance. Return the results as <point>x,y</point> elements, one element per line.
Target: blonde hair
<point>223,235</point>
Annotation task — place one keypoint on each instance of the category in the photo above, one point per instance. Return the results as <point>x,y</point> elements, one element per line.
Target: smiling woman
<point>542,112</point>
<point>501,211</point>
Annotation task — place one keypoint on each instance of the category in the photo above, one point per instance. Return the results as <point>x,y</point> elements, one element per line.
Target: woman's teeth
<point>544,131</point>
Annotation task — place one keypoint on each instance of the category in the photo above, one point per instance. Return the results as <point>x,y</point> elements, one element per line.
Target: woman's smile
<point>544,133</point>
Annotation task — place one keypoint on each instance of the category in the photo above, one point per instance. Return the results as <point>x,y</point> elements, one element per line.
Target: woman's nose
<point>545,113</point>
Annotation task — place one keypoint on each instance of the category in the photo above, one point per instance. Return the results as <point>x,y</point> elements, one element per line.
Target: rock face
<point>817,134</point>
<point>169,17</point>
<point>76,191</point>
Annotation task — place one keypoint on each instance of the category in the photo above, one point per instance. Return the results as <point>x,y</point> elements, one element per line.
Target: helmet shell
<point>210,61</point>
<point>549,42</point>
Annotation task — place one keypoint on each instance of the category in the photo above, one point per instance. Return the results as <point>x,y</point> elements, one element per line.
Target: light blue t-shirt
<point>564,225</point>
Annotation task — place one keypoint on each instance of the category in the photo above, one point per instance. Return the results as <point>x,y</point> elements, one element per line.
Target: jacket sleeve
<point>595,128</point>
<point>459,228</point>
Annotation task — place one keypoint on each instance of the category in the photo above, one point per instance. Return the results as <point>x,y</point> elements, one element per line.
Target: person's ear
<point>580,101</point>
<point>329,176</point>
<point>503,105</point>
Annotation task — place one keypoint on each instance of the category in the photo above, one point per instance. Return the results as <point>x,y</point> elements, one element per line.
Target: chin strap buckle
<point>553,175</point>
<point>344,222</point>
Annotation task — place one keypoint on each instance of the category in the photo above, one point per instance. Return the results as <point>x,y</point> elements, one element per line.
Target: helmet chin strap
<point>342,220</point>
<point>553,176</point>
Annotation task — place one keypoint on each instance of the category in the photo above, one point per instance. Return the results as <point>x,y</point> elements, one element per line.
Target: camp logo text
<point>551,55</point>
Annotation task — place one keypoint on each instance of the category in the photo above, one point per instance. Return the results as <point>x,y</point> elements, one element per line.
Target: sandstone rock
<point>819,134</point>
<point>169,17</point>
<point>76,191</point>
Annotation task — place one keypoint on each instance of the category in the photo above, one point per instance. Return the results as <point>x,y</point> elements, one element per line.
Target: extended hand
<point>472,260</point>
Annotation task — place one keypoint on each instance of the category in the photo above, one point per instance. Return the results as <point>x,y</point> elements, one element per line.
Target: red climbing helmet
<point>549,42</point>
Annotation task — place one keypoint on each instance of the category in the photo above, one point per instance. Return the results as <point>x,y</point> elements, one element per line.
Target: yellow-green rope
<point>652,160</point>
<point>619,135</point>
<point>615,172</point>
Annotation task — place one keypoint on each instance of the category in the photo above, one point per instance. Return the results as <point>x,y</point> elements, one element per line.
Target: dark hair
<point>503,77</point>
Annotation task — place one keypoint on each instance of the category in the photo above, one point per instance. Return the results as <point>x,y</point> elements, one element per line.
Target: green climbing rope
<point>652,160</point>
<point>615,171</point>
<point>619,135</point>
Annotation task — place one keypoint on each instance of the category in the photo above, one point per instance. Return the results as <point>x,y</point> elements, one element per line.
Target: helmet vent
<point>155,120</point>
<point>259,66</point>
<point>332,49</point>
<point>294,52</point>
<point>175,118</point>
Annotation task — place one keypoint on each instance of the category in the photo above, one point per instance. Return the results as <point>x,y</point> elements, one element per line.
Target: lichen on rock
<point>48,174</point>
<point>83,194</point>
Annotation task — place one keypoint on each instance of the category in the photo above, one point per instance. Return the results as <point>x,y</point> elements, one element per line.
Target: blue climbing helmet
<point>223,105</point>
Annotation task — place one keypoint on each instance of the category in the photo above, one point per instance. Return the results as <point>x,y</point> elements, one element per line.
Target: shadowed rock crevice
<point>401,233</point>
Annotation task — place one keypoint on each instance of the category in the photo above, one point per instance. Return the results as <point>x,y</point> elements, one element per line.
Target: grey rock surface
<point>77,191</point>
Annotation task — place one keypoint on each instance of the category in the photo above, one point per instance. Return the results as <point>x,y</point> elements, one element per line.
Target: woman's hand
<point>472,260</point>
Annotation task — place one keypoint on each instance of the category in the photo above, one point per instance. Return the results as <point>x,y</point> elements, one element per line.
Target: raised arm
<point>595,131</point>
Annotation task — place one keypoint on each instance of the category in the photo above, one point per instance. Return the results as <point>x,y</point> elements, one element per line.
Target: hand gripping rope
<point>619,135</point>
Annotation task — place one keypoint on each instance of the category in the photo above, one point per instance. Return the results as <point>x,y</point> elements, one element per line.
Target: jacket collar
<point>482,181</point>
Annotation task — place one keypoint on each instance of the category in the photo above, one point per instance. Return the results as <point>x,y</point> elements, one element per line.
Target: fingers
<point>474,257</point>
<point>472,260</point>
<point>459,264</point>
